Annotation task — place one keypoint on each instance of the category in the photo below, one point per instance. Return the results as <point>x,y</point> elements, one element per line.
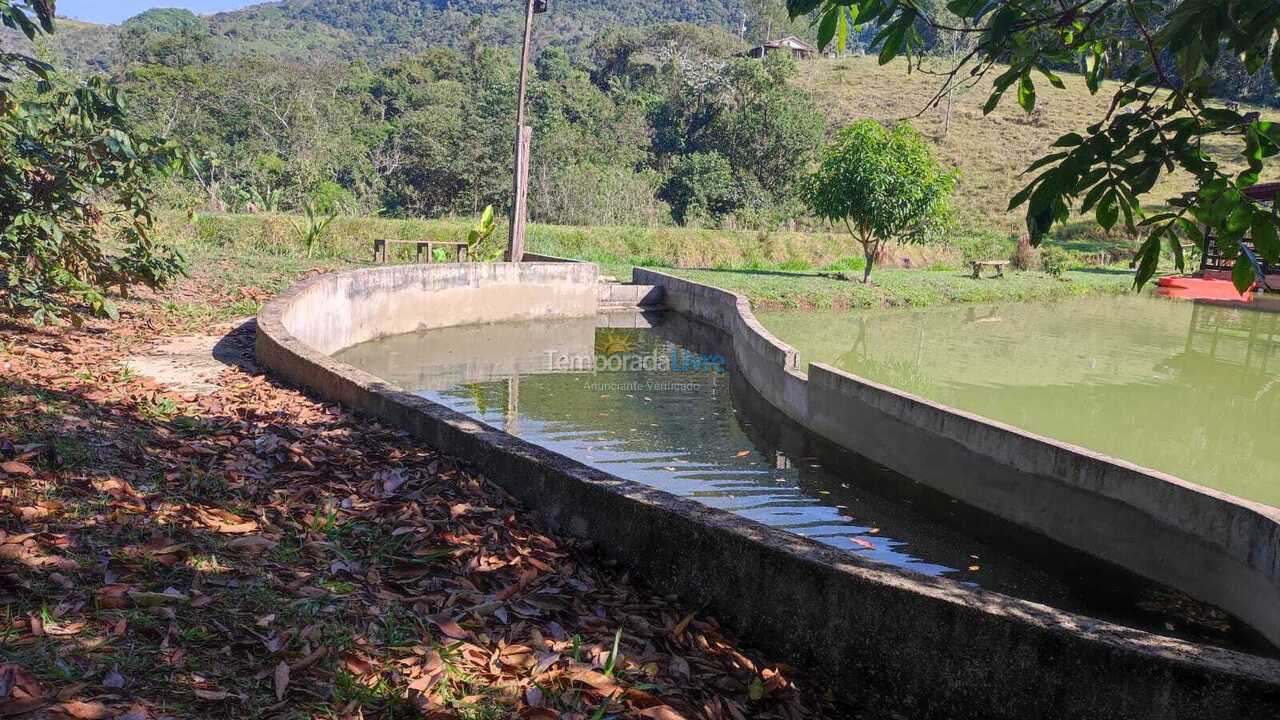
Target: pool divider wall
<point>867,630</point>
<point>1213,546</point>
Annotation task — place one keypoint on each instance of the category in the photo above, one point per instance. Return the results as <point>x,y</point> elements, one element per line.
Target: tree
<point>1163,119</point>
<point>702,186</point>
<point>766,127</point>
<point>882,184</point>
<point>73,180</point>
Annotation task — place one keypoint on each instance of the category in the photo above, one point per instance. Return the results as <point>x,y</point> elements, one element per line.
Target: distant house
<point>797,48</point>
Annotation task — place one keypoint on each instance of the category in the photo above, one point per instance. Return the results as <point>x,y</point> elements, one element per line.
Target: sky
<point>115,11</point>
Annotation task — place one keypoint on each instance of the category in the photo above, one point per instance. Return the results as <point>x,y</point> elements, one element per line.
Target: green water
<point>1191,390</point>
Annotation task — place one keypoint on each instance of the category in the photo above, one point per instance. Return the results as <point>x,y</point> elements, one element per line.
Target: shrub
<point>75,180</point>
<point>330,198</point>
<point>1053,260</point>
<point>313,227</point>
<point>983,246</point>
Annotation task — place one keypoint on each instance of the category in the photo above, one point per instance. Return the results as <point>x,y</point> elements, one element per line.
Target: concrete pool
<point>943,637</point>
<point>655,399</point>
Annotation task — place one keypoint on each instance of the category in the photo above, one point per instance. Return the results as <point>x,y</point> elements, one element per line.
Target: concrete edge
<point>965,652</point>
<point>1199,529</point>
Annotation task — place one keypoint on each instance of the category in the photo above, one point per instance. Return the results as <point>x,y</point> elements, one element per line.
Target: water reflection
<point>1188,389</point>
<point>655,400</point>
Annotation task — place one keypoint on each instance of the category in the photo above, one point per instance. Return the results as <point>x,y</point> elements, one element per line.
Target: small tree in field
<point>882,184</point>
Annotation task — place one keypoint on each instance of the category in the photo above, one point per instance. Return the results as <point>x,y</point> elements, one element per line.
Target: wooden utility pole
<point>520,181</point>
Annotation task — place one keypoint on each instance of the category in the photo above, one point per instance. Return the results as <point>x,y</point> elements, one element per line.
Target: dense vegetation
<point>403,108</point>
<point>641,127</point>
<point>73,176</point>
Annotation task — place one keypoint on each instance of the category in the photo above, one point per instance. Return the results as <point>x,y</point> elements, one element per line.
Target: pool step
<point>616,296</point>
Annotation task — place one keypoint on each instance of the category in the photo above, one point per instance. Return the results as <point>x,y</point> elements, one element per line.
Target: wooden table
<point>997,265</point>
<point>380,249</point>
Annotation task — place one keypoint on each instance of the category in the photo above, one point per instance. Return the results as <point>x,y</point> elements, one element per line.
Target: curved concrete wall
<point>350,308</point>
<point>868,630</point>
<point>1215,547</point>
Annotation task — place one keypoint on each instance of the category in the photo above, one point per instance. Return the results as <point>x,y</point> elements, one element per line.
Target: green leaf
<point>797,8</point>
<point>966,8</point>
<point>1052,77</point>
<point>1265,237</point>
<point>1148,261</point>
<point>1175,247</point>
<point>1069,140</point>
<point>1046,160</point>
<point>992,102</point>
<point>1027,93</point>
<point>1244,274</point>
<point>1108,210</point>
<point>1094,70</point>
<point>827,28</point>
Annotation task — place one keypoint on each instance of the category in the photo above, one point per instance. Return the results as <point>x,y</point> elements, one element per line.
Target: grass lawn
<point>893,288</point>
<point>243,272</point>
<point>243,260</point>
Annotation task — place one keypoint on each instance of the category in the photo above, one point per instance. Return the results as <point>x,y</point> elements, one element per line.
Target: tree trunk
<point>870,252</point>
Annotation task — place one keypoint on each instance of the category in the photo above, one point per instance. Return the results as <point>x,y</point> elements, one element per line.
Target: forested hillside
<point>637,126</point>
<point>378,30</point>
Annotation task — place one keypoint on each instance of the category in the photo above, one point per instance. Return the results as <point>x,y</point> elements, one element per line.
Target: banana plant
<point>313,229</point>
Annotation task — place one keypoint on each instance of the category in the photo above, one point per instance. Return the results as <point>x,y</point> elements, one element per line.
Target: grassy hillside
<point>991,151</point>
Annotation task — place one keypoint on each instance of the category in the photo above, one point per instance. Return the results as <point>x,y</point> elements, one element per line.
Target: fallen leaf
<point>450,628</point>
<point>679,629</point>
<point>137,712</point>
<point>213,695</point>
<point>20,692</point>
<point>743,453</point>
<point>251,544</point>
<point>113,596</point>
<point>64,630</point>
<point>357,665</point>
<point>154,599</point>
<point>281,679</point>
<point>113,678</point>
<point>18,469</point>
<point>86,710</point>
<point>116,488</point>
<point>661,712</point>
<point>597,680</point>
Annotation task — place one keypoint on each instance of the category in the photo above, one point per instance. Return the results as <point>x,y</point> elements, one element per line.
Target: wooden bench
<point>380,249</point>
<point>997,265</point>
